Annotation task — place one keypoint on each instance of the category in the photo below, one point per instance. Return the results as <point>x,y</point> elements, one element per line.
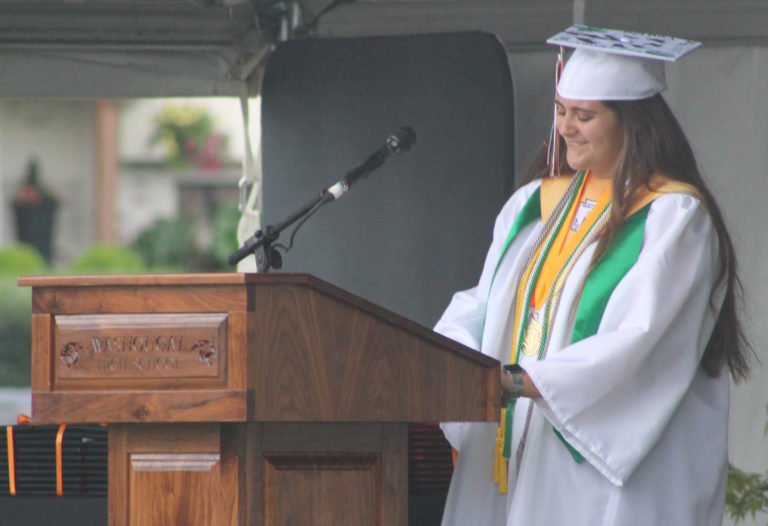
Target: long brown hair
<point>654,143</point>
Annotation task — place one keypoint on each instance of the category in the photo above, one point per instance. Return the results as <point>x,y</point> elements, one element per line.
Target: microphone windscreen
<point>405,137</point>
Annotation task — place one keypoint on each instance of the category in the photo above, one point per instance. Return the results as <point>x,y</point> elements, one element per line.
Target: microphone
<point>400,141</point>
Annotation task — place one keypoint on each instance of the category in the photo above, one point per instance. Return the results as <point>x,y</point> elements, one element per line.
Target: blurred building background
<point>114,169</point>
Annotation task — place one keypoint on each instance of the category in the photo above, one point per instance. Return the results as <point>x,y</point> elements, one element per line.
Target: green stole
<point>601,280</point>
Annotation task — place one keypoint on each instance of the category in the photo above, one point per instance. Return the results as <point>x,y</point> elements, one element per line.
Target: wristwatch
<point>514,389</point>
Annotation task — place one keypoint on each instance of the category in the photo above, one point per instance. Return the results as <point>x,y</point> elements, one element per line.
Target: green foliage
<point>16,312</point>
<point>21,259</point>
<point>15,333</point>
<point>167,245</point>
<point>224,226</point>
<point>747,493</point>
<point>109,259</point>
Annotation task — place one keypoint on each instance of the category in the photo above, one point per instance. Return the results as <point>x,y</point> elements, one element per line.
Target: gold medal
<point>532,337</point>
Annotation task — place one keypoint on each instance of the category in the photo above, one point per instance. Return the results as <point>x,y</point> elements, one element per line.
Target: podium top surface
<point>213,278</point>
<point>235,279</point>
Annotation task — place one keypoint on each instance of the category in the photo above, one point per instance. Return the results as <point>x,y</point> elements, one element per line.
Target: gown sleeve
<point>611,395</point>
<point>464,318</point>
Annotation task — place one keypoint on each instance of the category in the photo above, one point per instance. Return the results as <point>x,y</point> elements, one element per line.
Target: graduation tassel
<point>499,465</point>
<point>553,148</point>
<point>502,447</point>
<point>507,452</point>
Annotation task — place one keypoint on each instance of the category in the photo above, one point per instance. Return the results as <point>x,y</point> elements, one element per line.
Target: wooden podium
<point>246,399</point>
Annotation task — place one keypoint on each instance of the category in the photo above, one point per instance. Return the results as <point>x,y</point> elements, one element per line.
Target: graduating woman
<point>610,289</point>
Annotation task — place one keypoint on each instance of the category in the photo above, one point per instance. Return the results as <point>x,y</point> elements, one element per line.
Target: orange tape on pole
<point>11,463</point>
<point>60,461</point>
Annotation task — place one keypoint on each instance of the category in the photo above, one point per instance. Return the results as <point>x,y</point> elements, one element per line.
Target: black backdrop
<point>417,229</point>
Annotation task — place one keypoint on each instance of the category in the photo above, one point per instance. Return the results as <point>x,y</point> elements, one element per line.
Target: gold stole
<point>553,188</point>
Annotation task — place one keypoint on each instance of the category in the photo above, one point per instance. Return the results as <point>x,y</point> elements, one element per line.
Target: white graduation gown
<point>632,399</point>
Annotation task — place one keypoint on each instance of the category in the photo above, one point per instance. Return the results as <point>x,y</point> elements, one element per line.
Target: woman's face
<point>593,135</point>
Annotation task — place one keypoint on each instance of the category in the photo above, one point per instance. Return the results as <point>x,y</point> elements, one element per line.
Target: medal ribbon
<point>502,446</point>
<point>525,294</point>
<point>527,283</point>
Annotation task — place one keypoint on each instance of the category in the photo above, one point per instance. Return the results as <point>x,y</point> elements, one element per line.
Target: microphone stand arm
<point>260,244</point>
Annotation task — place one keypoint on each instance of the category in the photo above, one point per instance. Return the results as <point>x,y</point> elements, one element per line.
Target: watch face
<point>513,368</point>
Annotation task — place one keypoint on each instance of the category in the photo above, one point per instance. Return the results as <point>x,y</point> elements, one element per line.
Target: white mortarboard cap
<point>610,64</point>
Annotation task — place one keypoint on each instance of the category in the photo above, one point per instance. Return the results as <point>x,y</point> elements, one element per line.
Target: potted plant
<point>188,134</point>
<point>34,208</point>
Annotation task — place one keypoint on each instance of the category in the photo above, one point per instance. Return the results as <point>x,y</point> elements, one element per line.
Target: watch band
<point>514,389</point>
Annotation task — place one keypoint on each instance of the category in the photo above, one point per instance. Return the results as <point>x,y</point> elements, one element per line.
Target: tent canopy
<point>144,48</point>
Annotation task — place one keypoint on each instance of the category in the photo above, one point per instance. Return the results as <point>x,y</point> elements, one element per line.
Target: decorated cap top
<point>610,64</point>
